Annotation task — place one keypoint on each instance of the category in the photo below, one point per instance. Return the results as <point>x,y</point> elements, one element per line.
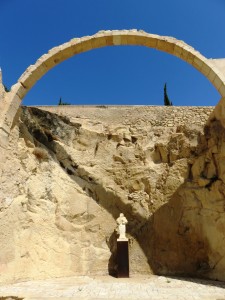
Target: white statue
<point>121,229</point>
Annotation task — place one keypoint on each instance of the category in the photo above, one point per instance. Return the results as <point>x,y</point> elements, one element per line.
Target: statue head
<point>121,215</point>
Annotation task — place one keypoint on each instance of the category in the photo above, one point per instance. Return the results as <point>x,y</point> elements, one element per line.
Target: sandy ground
<point>136,287</point>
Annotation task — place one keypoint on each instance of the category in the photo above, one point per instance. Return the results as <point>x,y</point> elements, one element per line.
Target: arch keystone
<point>116,40</point>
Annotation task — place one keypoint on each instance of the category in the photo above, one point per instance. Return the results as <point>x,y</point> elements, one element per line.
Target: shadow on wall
<point>182,236</point>
<point>112,265</point>
<point>176,243</point>
<point>186,235</point>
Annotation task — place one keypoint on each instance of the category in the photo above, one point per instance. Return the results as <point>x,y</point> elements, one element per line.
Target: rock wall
<point>188,231</point>
<point>170,116</point>
<point>70,171</point>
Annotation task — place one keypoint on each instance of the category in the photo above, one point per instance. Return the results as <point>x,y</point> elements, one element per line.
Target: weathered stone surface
<point>67,176</point>
<point>188,231</point>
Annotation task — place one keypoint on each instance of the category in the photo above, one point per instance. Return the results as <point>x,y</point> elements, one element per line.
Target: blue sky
<point>127,75</point>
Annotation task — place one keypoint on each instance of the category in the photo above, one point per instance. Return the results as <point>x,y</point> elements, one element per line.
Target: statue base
<point>122,258</point>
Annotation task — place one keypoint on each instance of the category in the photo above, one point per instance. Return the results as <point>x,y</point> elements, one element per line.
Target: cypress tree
<point>60,101</point>
<point>167,101</point>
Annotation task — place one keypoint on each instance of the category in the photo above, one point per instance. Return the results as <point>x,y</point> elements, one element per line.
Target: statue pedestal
<point>122,258</point>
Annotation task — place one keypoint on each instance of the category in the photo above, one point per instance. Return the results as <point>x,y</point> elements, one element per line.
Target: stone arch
<point>208,67</point>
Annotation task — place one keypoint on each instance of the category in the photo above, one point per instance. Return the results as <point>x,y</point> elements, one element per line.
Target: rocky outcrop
<point>66,179</point>
<point>188,231</point>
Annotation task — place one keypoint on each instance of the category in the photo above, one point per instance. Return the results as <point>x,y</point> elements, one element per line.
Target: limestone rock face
<point>188,231</point>
<point>67,178</point>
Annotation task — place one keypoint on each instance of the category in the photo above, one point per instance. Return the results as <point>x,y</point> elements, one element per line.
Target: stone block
<point>123,39</point>
<point>166,45</point>
<point>18,89</point>
<point>205,68</point>
<point>109,40</point>
<point>211,76</point>
<point>77,48</point>
<point>117,40</point>
<point>26,73</point>
<point>67,49</point>
<point>29,82</point>
<point>222,90</point>
<point>51,61</point>
<point>190,58</point>
<point>68,52</point>
<point>99,42</point>
<point>86,45</point>
<point>131,40</point>
<point>140,40</point>
<point>133,37</point>
<point>186,51</point>
<point>217,82</point>
<point>197,63</point>
<point>150,41</point>
<point>32,75</point>
<point>102,41</point>
<point>178,48</point>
